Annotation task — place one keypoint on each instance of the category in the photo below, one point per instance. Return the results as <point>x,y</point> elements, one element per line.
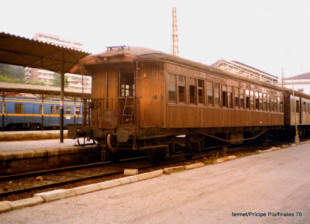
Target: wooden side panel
<point>150,89</point>
<point>100,80</point>
<point>104,115</point>
<point>191,117</point>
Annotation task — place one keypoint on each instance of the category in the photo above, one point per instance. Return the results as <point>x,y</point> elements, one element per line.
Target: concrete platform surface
<point>17,146</point>
<point>31,135</point>
<point>269,187</point>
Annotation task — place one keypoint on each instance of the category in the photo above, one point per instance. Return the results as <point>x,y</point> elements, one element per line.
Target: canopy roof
<point>32,53</point>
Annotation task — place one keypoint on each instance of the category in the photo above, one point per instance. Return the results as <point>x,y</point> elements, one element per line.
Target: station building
<point>246,71</point>
<point>300,83</point>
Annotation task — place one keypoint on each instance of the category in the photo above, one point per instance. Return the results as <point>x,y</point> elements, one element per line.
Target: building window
<point>236,92</point>
<point>210,93</point>
<point>192,90</point>
<point>201,91</point>
<point>68,110</point>
<point>216,94</point>
<point>181,89</point>
<point>19,108</point>
<point>171,88</point>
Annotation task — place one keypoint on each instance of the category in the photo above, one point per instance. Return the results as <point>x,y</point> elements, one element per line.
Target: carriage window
<point>297,106</point>
<point>265,102</point>
<point>127,87</point>
<point>304,107</point>
<point>236,91</point>
<point>19,108</point>
<point>260,101</point>
<point>41,109</point>
<point>252,99</point>
<point>57,109</point>
<point>247,99</point>
<point>77,111</point>
<point>171,88</point>
<point>192,90</point>
<point>181,89</point>
<point>276,104</point>
<point>271,103</point>
<point>224,96</point>
<point>200,91</point>
<point>275,101</point>
<point>241,98</point>
<point>256,101</point>
<point>216,94</point>
<point>52,109</point>
<point>280,99</point>
<point>210,93</point>
<point>68,110</point>
<point>229,97</point>
<point>268,103</point>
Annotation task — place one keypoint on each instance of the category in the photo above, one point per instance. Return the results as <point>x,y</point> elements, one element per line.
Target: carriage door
<point>126,97</point>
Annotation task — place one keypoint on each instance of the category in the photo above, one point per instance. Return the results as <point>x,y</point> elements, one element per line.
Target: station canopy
<point>25,52</point>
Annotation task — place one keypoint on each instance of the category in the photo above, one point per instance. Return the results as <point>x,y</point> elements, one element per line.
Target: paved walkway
<point>270,187</point>
<point>35,145</point>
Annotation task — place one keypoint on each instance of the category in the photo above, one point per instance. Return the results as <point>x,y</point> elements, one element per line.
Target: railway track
<point>24,185</point>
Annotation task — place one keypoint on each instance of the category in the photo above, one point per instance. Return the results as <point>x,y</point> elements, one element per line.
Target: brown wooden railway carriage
<point>142,99</point>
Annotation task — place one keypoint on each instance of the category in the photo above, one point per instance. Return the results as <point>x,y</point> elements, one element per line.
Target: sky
<point>265,34</point>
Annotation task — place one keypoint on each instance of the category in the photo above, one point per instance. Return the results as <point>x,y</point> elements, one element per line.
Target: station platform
<point>30,135</point>
<point>270,187</point>
<point>27,156</point>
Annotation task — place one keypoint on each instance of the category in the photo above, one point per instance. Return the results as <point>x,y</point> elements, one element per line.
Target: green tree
<point>56,80</point>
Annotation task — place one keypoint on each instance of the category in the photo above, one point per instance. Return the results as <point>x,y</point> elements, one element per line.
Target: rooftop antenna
<point>175,38</point>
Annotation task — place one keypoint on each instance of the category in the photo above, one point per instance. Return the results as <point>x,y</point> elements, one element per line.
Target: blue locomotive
<point>21,112</point>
